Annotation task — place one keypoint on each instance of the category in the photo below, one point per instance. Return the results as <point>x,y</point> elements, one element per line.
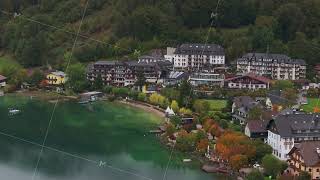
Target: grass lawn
<point>312,103</point>
<point>217,104</point>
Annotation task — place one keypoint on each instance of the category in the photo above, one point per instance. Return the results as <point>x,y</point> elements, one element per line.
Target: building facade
<point>112,73</point>
<point>196,56</point>
<point>284,131</point>
<point>117,73</point>
<point>273,66</point>
<point>305,157</point>
<point>317,70</point>
<point>248,81</point>
<point>256,129</point>
<point>56,78</point>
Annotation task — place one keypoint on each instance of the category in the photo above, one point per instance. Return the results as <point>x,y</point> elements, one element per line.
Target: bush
<point>158,99</point>
<point>142,96</point>
<point>120,92</point>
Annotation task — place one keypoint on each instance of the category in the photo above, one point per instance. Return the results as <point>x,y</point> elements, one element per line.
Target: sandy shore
<point>145,107</point>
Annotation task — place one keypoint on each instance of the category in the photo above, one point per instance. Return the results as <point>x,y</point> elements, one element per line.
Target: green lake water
<point>110,133</point>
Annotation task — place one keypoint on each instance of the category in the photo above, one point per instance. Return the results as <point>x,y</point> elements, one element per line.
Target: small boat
<point>14,111</point>
<point>187,160</point>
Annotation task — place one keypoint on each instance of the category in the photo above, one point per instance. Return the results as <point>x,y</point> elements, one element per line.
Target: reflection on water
<point>106,132</point>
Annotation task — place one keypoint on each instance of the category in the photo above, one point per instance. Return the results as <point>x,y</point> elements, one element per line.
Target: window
<point>310,170</point>
<point>317,170</point>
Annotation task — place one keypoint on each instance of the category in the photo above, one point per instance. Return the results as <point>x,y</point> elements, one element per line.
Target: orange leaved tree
<point>233,143</point>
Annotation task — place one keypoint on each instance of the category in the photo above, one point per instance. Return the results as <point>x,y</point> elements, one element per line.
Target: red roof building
<point>248,81</point>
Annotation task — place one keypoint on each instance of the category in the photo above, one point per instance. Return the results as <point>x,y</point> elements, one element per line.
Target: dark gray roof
<point>155,58</point>
<point>265,57</point>
<point>206,49</point>
<point>276,98</point>
<point>142,63</point>
<point>289,125</point>
<point>102,62</point>
<point>258,126</point>
<point>308,151</point>
<point>245,103</point>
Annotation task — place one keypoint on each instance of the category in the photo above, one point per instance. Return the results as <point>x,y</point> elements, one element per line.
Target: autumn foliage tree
<point>238,161</point>
<point>202,145</point>
<point>233,143</point>
<point>186,141</point>
<point>211,126</point>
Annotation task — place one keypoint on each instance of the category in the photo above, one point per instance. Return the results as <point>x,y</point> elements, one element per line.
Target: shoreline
<point>52,96</point>
<point>143,106</point>
<point>42,95</point>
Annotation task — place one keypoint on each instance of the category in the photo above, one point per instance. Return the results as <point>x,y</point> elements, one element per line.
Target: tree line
<point>290,27</point>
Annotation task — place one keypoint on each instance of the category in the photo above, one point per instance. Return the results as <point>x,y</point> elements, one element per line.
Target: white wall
<point>247,131</point>
<point>281,146</point>
<point>3,84</point>
<point>181,60</point>
<point>246,86</point>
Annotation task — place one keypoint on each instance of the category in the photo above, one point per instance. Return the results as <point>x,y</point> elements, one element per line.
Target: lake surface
<point>97,142</point>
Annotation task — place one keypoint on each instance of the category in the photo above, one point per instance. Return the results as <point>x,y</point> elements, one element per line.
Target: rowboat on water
<point>14,111</point>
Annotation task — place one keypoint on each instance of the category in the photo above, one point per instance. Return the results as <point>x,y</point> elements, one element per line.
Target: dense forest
<point>129,28</point>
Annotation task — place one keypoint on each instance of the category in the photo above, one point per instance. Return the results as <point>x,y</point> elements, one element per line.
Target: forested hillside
<point>133,27</point>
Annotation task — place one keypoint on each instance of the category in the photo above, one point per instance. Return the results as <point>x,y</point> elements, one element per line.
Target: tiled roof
<point>276,98</point>
<point>308,151</point>
<point>257,126</point>
<point>265,57</point>
<point>207,49</point>
<point>253,76</point>
<point>154,58</point>
<point>243,101</point>
<point>102,62</point>
<point>288,125</point>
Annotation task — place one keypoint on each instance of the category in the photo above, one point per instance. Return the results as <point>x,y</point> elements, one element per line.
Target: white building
<point>274,66</point>
<point>284,131</point>
<point>196,56</point>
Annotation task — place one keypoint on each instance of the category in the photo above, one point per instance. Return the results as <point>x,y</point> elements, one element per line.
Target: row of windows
<point>247,85</point>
